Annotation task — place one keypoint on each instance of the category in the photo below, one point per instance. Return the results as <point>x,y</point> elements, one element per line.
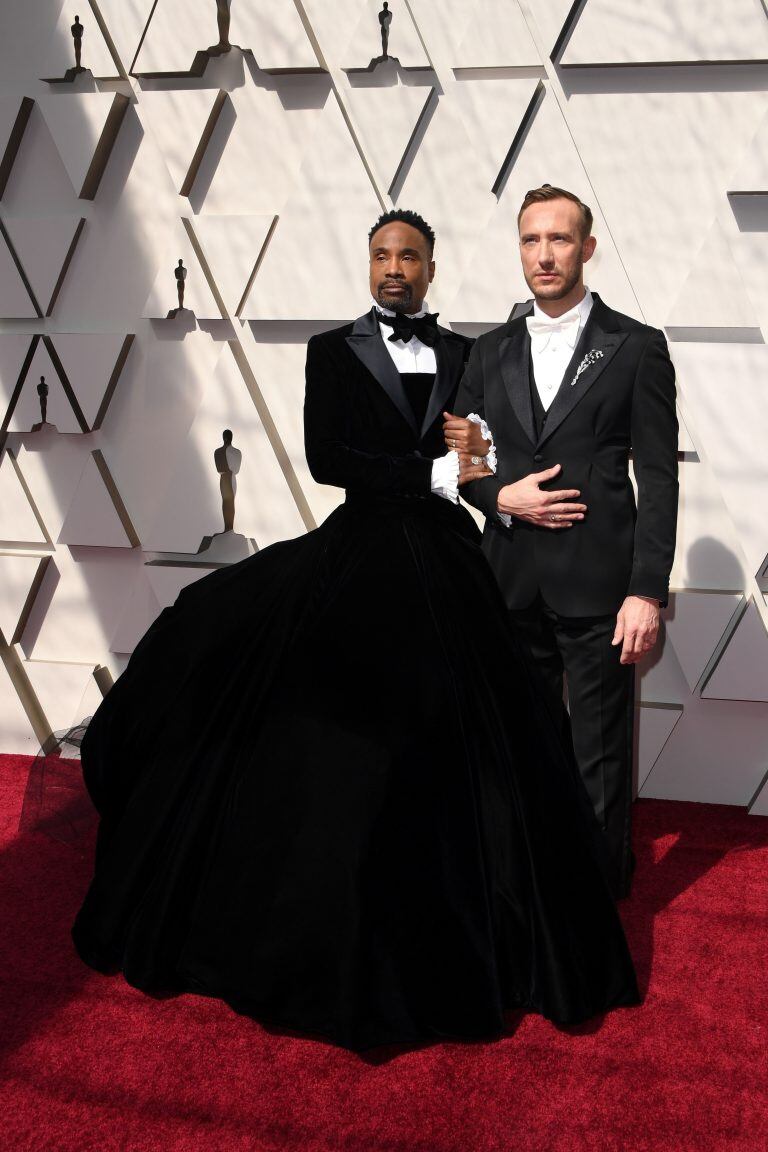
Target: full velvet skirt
<point>330,793</point>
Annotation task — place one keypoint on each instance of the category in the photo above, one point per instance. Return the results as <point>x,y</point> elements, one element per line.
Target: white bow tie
<point>541,330</point>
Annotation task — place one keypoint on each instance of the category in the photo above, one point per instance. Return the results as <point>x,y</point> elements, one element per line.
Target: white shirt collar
<point>582,310</point>
<point>391,311</point>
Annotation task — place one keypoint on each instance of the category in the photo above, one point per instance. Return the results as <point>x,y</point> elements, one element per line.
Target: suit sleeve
<point>654,447</point>
<point>330,455</point>
<point>481,494</point>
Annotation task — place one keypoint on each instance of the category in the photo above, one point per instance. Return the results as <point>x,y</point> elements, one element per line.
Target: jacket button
<point>538,458</point>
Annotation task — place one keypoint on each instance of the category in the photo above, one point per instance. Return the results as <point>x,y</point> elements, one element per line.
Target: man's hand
<point>637,627</point>
<point>469,471</point>
<point>526,501</point>
<point>464,435</point>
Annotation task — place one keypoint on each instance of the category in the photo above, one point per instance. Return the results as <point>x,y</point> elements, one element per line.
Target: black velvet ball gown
<point>329,791</point>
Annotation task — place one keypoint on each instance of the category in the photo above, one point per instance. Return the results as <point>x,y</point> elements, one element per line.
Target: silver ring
<point>553,516</point>
<point>475,459</point>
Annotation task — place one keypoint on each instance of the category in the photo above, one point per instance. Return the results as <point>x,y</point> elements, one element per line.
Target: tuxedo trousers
<point>601,709</point>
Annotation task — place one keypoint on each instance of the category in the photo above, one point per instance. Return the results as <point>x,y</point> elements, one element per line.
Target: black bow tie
<point>424,328</point>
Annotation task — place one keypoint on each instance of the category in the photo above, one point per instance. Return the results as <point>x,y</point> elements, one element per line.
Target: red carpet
<point>87,1063</point>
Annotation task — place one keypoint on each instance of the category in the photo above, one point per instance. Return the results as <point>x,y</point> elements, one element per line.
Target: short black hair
<point>405,216</point>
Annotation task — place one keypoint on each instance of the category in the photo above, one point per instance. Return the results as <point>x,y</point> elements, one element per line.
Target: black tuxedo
<point>360,431</point>
<point>563,587</point>
<point>624,401</point>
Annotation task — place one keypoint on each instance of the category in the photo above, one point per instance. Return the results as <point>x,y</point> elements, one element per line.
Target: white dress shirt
<point>553,340</point>
<point>418,357</point>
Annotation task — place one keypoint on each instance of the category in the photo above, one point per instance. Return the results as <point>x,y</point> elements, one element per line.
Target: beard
<point>403,302</point>
<point>555,291</point>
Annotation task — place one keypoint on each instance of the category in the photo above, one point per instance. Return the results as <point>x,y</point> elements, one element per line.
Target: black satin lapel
<point>371,352</point>
<point>449,356</point>
<point>514,355</point>
<point>592,339</point>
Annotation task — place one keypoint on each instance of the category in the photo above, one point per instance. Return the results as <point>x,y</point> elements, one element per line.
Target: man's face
<point>401,269</point>
<point>552,249</point>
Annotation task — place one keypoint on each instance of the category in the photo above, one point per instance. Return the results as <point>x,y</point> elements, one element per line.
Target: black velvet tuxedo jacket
<point>623,402</point>
<point>359,430</point>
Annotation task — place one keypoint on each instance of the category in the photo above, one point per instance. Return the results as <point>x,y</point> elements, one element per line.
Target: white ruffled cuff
<point>445,477</point>
<point>485,432</point>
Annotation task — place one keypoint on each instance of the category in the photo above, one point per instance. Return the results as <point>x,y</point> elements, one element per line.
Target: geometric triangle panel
<point>741,672</point>
<point>43,398</point>
<point>44,248</point>
<point>182,124</point>
<point>388,119</point>
<point>14,115</point>
<point>92,517</point>
<point>714,293</point>
<point>51,465</point>
<point>492,112</point>
<point>695,623</point>
<point>660,679</point>
<point>674,31</point>
<point>704,375</point>
<point>496,36</point>
<point>20,524</point>
<point>16,301</point>
<point>15,349</point>
<point>125,24</point>
<point>233,247</point>
<point>20,578</point>
<point>93,363</point>
<point>655,724</point>
<point>84,126</point>
<point>716,753</point>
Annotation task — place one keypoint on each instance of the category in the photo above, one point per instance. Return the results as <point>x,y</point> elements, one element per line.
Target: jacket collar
<point>366,343</point>
<point>602,334</point>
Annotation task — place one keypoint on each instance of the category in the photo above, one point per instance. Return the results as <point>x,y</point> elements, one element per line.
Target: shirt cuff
<point>445,477</point>
<point>485,432</point>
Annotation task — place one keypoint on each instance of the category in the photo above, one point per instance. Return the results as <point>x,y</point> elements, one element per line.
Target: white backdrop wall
<point>262,169</point>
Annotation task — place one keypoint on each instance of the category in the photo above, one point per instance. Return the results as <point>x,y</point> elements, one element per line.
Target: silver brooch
<point>590,358</point>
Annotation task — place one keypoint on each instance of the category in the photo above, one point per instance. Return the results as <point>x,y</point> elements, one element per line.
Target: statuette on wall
<point>227,547</point>
<point>77,36</point>
<point>180,275</point>
<point>223,18</point>
<point>385,19</point>
<point>78,31</point>
<point>42,392</point>
<point>228,460</point>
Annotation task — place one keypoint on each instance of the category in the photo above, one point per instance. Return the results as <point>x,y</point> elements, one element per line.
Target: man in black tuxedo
<point>568,389</point>
<point>390,374</point>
